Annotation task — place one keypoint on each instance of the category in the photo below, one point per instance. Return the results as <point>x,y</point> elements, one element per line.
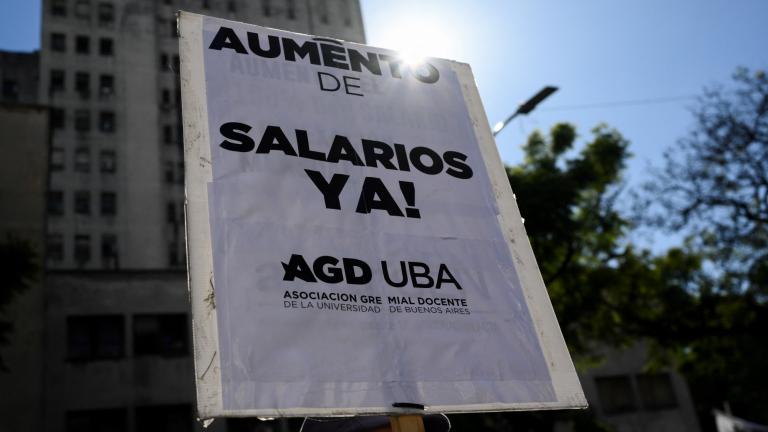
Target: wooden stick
<point>406,423</point>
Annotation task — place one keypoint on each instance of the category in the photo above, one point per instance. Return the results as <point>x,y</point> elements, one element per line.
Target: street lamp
<point>525,107</point>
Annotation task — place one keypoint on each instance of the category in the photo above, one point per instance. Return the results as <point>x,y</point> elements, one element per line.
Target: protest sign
<point>353,240</point>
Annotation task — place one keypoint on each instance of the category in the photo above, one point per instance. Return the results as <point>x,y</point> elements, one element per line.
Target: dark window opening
<point>656,391</point>
<point>82,202</point>
<point>164,418</point>
<point>291,9</point>
<point>323,11</point>
<point>97,337</point>
<point>347,11</point>
<point>57,80</point>
<point>58,118</point>
<point>109,251</point>
<point>10,89</point>
<point>106,13</point>
<point>170,212</point>
<point>107,121</point>
<point>59,8</point>
<point>231,6</point>
<point>58,42</point>
<point>164,63</point>
<point>106,85</point>
<point>82,45</point>
<point>168,134</point>
<point>108,204</point>
<point>168,172</point>
<point>161,334</point>
<point>54,247</point>
<point>106,420</point>
<point>82,120</point>
<point>206,4</point>
<point>107,163</point>
<point>83,84</point>
<point>616,394</point>
<point>82,248</point>
<point>55,203</point>
<point>266,8</point>
<point>106,47</point>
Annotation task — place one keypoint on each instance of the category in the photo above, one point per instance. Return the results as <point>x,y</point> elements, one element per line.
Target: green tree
<point>713,188</point>
<point>595,279</point>
<point>18,267</point>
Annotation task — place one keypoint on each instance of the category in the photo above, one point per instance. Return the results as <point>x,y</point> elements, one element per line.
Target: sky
<point>598,52</point>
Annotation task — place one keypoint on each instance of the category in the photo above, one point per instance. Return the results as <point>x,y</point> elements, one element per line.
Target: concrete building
<point>23,174</point>
<point>19,77</point>
<point>109,73</point>
<point>629,398</point>
<point>117,342</point>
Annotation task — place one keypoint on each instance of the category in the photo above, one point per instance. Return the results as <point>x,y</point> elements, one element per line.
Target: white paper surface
<point>287,344</point>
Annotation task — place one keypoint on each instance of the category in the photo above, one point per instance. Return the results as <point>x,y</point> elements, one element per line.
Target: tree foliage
<point>18,267</point>
<point>713,188</point>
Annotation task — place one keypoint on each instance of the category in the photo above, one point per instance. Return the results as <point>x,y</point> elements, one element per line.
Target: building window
<point>231,6</point>
<point>161,334</point>
<point>106,13</point>
<point>57,159</point>
<point>347,13</point>
<point>10,89</point>
<point>59,8</point>
<point>323,9</point>
<point>82,45</point>
<point>168,172</point>
<point>164,418</point>
<point>58,42</point>
<point>165,99</point>
<point>170,212</point>
<point>266,8</point>
<point>107,162</point>
<point>82,120</point>
<point>106,47</point>
<point>82,202</point>
<point>164,63</point>
<point>82,248</point>
<point>112,420</point>
<point>83,9</point>
<point>109,251</point>
<point>180,173</point>
<point>108,204</point>
<point>206,4</point>
<point>174,31</point>
<point>83,84</point>
<point>95,337</point>
<point>106,85</point>
<point>57,80</point>
<point>616,394</point>
<point>55,203</point>
<point>82,160</point>
<point>291,9</point>
<point>176,63</point>
<point>58,118</point>
<point>54,247</point>
<point>656,391</point>
<point>173,254</point>
<point>107,121</point>
<point>168,134</point>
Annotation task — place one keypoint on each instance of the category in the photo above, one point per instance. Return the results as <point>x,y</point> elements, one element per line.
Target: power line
<point>631,102</point>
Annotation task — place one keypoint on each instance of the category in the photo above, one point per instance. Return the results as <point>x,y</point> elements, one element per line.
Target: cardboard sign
<point>353,240</point>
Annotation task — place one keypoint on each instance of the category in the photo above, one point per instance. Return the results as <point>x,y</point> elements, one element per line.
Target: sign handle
<point>406,423</point>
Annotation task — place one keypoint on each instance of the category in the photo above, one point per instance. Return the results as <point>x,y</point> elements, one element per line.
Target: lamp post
<point>525,107</point>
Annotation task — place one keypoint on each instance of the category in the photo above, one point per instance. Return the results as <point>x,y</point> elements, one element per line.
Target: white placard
<point>353,241</point>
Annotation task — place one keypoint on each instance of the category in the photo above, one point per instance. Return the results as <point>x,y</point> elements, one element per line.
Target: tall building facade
<point>109,72</point>
<point>115,327</point>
